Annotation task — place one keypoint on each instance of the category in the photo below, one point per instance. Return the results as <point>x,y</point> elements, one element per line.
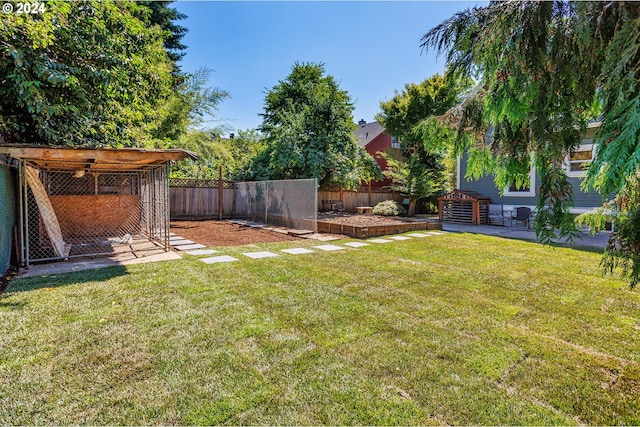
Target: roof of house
<point>94,158</point>
<point>367,132</point>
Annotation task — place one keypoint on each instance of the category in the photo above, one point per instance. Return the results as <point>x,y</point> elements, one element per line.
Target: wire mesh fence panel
<point>288,203</point>
<point>97,213</point>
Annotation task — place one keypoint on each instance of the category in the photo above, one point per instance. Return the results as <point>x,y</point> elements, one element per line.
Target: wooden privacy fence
<point>363,197</point>
<point>200,198</point>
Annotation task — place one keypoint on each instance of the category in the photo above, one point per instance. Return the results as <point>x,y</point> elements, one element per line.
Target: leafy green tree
<point>415,178</point>
<point>544,69</point>
<point>419,172</point>
<point>244,148</point>
<point>212,153</point>
<point>86,73</point>
<point>233,154</point>
<point>308,127</point>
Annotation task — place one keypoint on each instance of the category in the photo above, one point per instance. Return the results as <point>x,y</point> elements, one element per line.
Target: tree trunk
<point>412,206</point>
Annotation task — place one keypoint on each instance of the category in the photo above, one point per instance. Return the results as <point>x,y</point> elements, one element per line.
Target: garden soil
<point>225,233</point>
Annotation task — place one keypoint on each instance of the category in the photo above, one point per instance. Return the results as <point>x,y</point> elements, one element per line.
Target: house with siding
<point>512,198</point>
<point>373,138</point>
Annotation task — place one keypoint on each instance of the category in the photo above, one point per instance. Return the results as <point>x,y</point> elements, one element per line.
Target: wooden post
<point>220,191</point>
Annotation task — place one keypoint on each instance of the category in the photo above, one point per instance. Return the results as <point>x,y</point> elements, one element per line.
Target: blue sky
<point>370,47</point>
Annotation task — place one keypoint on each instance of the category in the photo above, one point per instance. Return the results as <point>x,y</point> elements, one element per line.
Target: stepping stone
<point>258,255</point>
<point>181,242</point>
<point>379,240</point>
<point>356,244</point>
<point>400,238</point>
<point>419,235</point>
<point>329,247</point>
<point>297,251</point>
<point>175,237</point>
<point>216,259</point>
<point>172,234</point>
<point>202,252</point>
<point>189,247</point>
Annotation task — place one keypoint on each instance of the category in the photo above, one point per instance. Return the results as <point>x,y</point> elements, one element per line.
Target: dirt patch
<point>225,233</point>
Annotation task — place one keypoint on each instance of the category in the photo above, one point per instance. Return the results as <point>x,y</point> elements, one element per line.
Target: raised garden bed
<point>363,226</point>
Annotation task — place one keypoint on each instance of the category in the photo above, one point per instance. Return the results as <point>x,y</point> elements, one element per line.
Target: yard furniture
<point>496,215</point>
<point>522,215</point>
<point>364,209</point>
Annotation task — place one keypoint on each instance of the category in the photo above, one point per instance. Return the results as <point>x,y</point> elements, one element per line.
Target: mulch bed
<point>362,220</point>
<point>225,233</point>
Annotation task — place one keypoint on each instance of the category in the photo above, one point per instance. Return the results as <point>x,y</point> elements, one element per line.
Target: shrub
<point>389,208</point>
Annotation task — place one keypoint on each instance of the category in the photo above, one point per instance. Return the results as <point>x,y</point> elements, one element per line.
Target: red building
<point>373,138</point>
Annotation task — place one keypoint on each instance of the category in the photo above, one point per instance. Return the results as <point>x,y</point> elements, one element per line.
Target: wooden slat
<point>74,157</point>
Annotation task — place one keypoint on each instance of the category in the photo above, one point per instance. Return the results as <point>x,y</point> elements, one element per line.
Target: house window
<point>527,190</point>
<point>395,143</point>
<point>579,161</point>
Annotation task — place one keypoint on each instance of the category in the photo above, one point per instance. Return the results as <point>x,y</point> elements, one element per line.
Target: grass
<point>453,329</point>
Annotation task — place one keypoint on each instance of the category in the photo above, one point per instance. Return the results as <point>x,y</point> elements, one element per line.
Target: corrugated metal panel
<point>7,215</point>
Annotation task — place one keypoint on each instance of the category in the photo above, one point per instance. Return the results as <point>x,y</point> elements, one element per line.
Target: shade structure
<point>91,201</point>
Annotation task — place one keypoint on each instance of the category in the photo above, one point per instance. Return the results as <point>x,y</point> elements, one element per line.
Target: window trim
<point>568,161</point>
<point>532,185</point>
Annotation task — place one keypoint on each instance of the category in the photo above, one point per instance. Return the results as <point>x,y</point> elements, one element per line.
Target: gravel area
<point>225,233</point>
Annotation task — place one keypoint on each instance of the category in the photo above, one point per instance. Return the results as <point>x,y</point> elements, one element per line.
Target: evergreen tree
<point>543,70</point>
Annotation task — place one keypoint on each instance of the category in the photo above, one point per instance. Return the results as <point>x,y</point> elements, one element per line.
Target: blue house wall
<point>486,186</point>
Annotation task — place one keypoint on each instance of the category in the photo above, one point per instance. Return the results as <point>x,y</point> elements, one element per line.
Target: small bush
<point>389,208</point>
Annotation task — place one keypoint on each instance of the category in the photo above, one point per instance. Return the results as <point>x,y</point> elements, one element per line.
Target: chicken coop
<point>465,207</point>
<point>91,202</point>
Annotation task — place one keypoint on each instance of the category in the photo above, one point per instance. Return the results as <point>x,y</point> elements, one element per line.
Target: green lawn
<point>451,329</point>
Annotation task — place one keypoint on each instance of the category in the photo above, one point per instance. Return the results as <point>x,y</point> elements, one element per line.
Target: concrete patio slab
<point>297,251</point>
<point>202,252</point>
<point>181,242</point>
<point>329,247</point>
<point>380,240</point>
<point>82,264</point>
<point>595,243</point>
<point>259,255</point>
<point>189,247</point>
<point>357,244</point>
<point>217,259</point>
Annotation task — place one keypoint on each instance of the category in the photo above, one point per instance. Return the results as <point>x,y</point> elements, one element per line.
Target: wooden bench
<point>364,209</point>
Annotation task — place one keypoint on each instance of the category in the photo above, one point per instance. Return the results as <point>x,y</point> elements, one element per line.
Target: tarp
<point>47,213</point>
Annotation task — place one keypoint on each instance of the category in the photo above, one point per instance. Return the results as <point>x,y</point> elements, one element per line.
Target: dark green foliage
<point>308,127</point>
<point>543,70</point>
<point>82,73</point>
<point>97,73</point>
